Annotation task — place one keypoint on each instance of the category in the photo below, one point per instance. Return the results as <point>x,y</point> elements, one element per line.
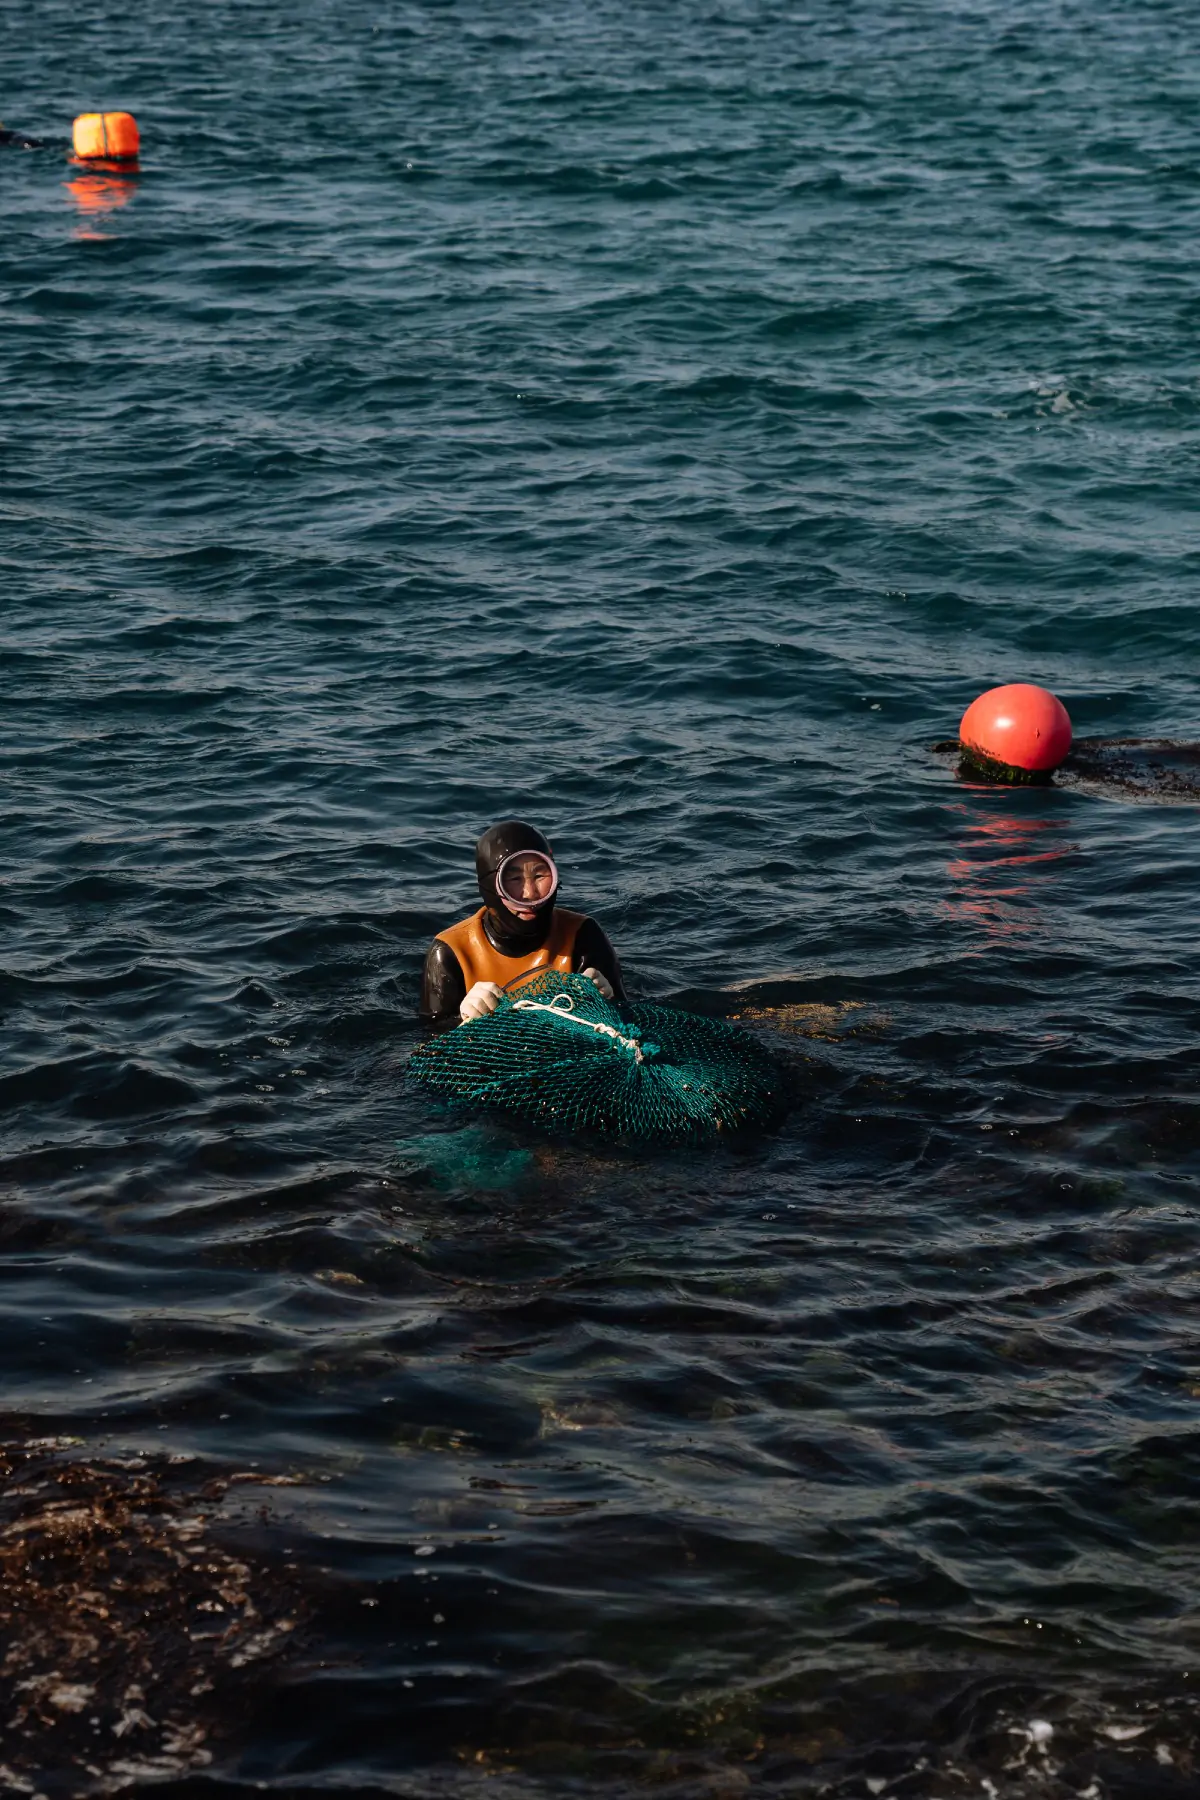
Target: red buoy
<point>1020,726</point>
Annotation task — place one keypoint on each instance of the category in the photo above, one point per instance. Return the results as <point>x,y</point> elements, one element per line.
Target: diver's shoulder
<point>461,928</point>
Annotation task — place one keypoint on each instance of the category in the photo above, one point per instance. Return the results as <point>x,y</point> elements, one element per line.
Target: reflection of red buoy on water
<point>106,137</point>
<point>1017,733</point>
<point>97,194</point>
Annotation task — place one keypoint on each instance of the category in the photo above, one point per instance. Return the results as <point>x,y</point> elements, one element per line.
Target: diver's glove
<point>601,981</point>
<point>480,1001</point>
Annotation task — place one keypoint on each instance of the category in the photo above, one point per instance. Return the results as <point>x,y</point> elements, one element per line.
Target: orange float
<point>1016,733</point>
<point>106,137</point>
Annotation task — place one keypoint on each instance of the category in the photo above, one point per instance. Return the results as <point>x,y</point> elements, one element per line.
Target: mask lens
<point>526,880</point>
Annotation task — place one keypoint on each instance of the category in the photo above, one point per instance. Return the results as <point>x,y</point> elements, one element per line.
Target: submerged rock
<point>125,1626</point>
<point>1160,770</point>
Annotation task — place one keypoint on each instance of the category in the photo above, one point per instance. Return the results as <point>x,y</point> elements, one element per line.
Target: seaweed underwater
<point>132,1635</point>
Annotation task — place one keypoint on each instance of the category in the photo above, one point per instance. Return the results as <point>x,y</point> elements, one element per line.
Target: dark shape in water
<point>922,1733</point>
<point>125,1627</point>
<point>1164,769</point>
<point>1158,769</point>
<point>17,140</point>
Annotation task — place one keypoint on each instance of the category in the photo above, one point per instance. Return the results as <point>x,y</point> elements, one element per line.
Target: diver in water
<point>17,140</point>
<point>517,929</point>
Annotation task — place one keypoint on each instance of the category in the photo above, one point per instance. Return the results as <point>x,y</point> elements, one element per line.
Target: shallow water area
<point>1161,769</point>
<point>1144,771</point>
<point>659,423</point>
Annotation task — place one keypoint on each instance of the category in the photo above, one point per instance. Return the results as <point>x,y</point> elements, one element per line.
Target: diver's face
<point>525,882</point>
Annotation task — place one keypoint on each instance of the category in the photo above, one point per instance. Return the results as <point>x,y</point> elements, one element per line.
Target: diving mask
<point>527,881</point>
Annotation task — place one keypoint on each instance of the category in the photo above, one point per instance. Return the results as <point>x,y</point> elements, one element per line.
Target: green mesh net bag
<point>556,1054</point>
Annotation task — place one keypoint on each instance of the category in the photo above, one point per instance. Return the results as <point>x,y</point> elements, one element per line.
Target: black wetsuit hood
<point>509,934</point>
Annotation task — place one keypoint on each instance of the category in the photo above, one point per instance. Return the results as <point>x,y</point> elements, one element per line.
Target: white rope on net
<point>564,1007</point>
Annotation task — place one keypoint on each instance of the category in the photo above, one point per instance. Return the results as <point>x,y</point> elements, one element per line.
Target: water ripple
<point>660,426</point>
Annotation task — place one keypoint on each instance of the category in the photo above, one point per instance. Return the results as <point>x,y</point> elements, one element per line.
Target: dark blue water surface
<point>656,421</point>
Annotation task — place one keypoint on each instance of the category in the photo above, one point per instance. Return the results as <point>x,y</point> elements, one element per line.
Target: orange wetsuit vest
<point>481,961</point>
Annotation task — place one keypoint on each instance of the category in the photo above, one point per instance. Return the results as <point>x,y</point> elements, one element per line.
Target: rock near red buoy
<point>1016,732</point>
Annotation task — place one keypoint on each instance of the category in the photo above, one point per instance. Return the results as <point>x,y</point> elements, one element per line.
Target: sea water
<point>656,421</point>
